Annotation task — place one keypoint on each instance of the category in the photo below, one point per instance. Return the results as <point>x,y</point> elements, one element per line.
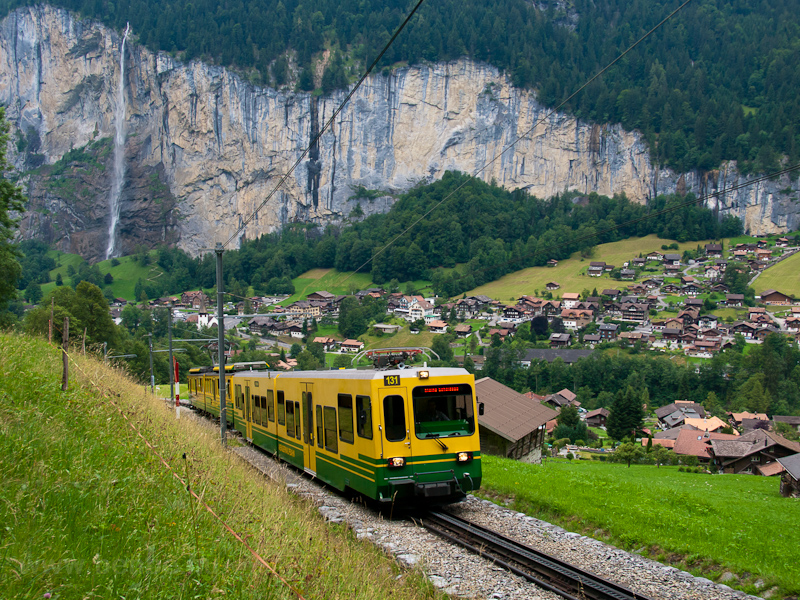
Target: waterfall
<point>119,151</point>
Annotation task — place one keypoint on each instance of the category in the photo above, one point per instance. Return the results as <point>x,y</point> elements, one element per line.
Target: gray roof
<point>510,414</point>
<point>672,434</point>
<point>789,420</point>
<point>792,465</point>
<point>550,354</point>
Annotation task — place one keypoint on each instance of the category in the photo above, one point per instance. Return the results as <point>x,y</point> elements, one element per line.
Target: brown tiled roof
<point>508,413</point>
<point>768,470</point>
<point>692,442</point>
<point>596,412</point>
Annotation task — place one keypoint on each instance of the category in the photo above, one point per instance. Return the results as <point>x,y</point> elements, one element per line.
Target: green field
<point>338,282</point>
<point>125,274</point>
<point>571,273</point>
<point>707,523</point>
<point>90,511</point>
<point>784,277</point>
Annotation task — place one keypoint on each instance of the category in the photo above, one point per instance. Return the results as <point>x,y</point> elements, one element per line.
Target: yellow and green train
<point>403,435</point>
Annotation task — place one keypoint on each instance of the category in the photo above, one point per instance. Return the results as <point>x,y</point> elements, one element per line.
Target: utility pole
<point>65,358</point>
<point>171,368</point>
<point>223,414</point>
<point>152,377</point>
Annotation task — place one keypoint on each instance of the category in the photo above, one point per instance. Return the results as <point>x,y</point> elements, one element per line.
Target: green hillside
<point>92,511</point>
<point>784,277</point>
<point>571,273</point>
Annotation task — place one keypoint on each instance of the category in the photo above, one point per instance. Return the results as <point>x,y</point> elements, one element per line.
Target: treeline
<point>765,380</point>
<point>491,230</point>
<point>719,81</point>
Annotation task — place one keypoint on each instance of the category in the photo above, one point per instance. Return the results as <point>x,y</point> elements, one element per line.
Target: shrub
<point>570,456</point>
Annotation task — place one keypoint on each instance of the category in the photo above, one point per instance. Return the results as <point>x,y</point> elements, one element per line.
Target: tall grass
<point>714,522</point>
<point>88,511</point>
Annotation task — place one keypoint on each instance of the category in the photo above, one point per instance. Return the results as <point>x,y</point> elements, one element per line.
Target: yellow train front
<point>394,436</point>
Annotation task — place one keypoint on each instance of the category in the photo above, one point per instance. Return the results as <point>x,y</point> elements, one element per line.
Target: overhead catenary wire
<point>519,138</point>
<point>328,123</point>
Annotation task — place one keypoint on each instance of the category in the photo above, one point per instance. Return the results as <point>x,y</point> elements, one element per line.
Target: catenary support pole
<point>152,377</point>
<point>171,367</point>
<point>223,413</point>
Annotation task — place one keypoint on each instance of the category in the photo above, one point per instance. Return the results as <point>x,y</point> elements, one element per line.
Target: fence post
<point>64,347</point>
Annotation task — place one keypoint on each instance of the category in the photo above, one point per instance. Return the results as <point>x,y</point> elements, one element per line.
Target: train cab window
<point>270,406</point>
<point>346,418</point>
<point>394,415</point>
<point>364,417</point>
<point>290,419</point>
<point>331,440</point>
<point>443,411</point>
<point>319,426</point>
<point>281,411</point>
<point>297,420</point>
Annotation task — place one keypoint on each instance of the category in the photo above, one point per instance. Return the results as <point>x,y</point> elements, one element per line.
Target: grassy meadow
<point>572,273</point>
<point>708,524</point>
<point>784,277</point>
<point>89,511</point>
<point>340,282</point>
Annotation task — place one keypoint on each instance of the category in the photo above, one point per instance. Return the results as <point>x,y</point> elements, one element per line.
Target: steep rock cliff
<point>205,147</point>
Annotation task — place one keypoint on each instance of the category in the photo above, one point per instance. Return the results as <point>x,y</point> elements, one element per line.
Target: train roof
<point>363,374</point>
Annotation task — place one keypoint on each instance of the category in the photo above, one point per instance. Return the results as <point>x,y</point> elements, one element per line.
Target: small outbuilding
<point>512,426</point>
<point>790,478</point>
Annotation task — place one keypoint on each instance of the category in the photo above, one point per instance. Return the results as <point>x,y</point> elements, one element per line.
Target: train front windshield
<point>443,411</point>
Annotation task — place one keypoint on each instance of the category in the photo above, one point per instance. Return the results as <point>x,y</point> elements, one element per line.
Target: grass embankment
<point>782,277</point>
<point>705,523</point>
<point>572,275</point>
<point>125,274</point>
<point>90,512</point>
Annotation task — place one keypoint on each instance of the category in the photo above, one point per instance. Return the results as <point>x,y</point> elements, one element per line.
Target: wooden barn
<point>513,425</point>
<point>790,478</point>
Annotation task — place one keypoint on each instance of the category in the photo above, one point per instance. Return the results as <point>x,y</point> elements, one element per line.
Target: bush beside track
<point>88,510</point>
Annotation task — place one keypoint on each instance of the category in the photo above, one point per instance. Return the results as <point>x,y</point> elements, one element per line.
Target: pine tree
<point>626,414</point>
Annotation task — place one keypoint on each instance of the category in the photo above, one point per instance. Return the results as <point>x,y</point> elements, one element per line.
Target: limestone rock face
<point>205,149</point>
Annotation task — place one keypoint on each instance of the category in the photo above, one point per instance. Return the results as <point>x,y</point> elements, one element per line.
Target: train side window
<point>319,426</point>
<point>364,417</point>
<point>259,410</point>
<point>346,418</point>
<point>331,441</point>
<point>394,415</point>
<point>270,405</point>
<point>297,420</point>
<point>237,397</point>
<point>290,419</point>
<point>281,411</point>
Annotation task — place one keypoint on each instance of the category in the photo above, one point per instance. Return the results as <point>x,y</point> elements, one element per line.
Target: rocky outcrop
<point>205,148</point>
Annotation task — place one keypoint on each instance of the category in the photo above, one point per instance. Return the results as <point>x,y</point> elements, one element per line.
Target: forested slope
<point>718,82</point>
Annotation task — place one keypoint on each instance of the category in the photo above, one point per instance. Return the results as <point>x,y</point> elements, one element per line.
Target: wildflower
<point>47,594</point>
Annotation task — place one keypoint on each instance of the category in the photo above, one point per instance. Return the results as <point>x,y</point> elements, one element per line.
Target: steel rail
<point>544,570</point>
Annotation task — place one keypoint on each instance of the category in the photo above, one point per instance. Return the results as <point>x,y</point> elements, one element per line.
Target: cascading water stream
<point>119,151</point>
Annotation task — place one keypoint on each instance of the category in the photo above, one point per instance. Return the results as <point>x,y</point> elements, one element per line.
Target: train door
<point>309,456</point>
<point>394,423</point>
<point>248,412</point>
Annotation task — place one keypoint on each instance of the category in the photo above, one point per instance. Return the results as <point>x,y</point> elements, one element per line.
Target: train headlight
<point>423,374</point>
<point>396,462</point>
<point>464,457</point>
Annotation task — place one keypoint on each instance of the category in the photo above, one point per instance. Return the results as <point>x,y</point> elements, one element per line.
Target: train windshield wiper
<point>429,434</point>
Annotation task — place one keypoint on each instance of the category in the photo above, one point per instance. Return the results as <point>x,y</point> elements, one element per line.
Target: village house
<point>576,319</point>
<point>763,255</point>
<point>733,300</point>
<point>512,426</point>
<point>735,419</point>
<point>596,268</point>
<point>714,250</point>
<point>790,478</point>
<point>775,298</point>
<point>782,242</point>
<point>591,339</point>
<point>462,329</point>
<point>568,355</point>
<point>570,299</point>
<point>627,274</point>
<point>752,452</point>
<point>597,417</point>
<point>552,286</point>
<point>789,420</point>
<point>438,327</point>
<point>611,293</point>
<point>352,346</point>
<point>672,259</point>
<point>637,313</point>
<point>560,340</point>
<point>676,413</point>
<point>657,256</point>
<point>561,399</point>
<point>608,331</point>
<point>420,309</point>
<point>328,343</point>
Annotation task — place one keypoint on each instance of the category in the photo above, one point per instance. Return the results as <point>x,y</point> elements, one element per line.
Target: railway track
<point>537,567</point>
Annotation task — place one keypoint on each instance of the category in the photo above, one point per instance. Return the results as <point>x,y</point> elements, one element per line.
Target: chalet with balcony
<point>608,331</point>
<point>714,250</point>
<point>637,313</point>
<point>656,256</point>
<point>560,340</point>
<point>597,417</point>
<point>570,299</point>
<point>672,259</point>
<point>775,298</point>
